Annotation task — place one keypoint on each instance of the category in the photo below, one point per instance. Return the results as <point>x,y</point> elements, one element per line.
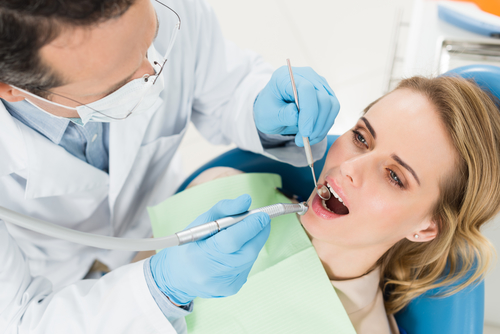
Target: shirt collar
<point>51,127</point>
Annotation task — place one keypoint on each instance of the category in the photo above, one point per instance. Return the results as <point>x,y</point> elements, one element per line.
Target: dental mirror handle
<point>307,146</point>
<point>322,192</point>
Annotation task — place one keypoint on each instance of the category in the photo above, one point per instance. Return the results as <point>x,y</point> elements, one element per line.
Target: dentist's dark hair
<point>27,25</point>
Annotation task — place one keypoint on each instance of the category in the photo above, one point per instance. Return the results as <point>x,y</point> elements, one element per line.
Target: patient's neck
<point>343,263</point>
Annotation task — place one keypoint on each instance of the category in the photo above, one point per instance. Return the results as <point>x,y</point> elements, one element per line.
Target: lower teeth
<point>324,205</point>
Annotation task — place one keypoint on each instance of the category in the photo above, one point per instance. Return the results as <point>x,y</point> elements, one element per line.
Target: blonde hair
<point>468,198</point>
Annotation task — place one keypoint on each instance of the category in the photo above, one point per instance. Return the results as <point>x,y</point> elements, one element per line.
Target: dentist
<point>96,96</point>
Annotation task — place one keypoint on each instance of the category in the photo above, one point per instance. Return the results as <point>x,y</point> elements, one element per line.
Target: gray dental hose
<point>180,238</point>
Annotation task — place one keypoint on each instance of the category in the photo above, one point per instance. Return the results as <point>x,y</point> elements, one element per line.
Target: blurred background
<point>362,48</point>
<point>347,42</point>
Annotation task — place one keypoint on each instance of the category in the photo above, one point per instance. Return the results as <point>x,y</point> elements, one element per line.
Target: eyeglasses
<point>172,40</point>
<point>158,66</point>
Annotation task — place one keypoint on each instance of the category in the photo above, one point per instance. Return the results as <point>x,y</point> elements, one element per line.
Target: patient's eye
<point>394,179</point>
<point>358,138</point>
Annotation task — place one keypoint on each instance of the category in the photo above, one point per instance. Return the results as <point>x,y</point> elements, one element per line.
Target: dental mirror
<point>323,192</point>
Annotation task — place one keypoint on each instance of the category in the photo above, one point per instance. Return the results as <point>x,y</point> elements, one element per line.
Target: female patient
<point>412,183</point>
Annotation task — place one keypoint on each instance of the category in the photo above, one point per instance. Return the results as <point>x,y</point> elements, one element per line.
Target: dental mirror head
<point>323,192</point>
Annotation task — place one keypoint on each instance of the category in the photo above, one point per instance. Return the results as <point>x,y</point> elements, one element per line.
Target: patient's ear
<point>9,93</point>
<point>427,232</point>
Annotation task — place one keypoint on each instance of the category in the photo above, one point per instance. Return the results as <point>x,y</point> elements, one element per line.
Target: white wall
<point>347,42</point>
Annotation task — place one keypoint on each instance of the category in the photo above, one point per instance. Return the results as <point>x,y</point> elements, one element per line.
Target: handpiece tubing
<point>84,238</point>
<point>107,242</point>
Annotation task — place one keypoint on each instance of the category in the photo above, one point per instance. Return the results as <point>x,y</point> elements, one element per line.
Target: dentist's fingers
<point>309,108</point>
<point>328,110</point>
<point>331,120</point>
<point>251,249</point>
<point>224,208</point>
<point>325,108</point>
<point>288,115</point>
<point>247,254</point>
<point>275,111</point>
<point>317,80</point>
<point>234,237</point>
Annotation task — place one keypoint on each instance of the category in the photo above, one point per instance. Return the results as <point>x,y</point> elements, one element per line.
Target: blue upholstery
<point>486,76</point>
<point>461,313</point>
<point>297,180</point>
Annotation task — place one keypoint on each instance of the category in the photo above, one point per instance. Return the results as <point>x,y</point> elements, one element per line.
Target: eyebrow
<point>405,165</point>
<point>369,126</point>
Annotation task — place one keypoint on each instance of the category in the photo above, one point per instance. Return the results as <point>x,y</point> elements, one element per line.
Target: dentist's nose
<point>145,68</point>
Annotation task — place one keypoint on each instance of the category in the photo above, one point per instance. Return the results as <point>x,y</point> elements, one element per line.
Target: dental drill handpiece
<point>323,193</point>
<point>208,229</point>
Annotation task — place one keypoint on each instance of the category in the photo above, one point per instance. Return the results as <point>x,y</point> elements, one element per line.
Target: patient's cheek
<point>212,174</point>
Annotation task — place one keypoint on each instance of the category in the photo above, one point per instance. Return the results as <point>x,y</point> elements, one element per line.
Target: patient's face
<point>387,170</point>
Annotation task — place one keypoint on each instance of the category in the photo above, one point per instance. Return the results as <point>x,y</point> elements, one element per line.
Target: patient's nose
<point>353,170</point>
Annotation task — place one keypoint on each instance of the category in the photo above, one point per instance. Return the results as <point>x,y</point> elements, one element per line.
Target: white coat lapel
<point>125,139</point>
<point>52,171</point>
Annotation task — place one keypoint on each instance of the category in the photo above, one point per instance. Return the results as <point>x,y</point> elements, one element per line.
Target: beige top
<point>364,303</point>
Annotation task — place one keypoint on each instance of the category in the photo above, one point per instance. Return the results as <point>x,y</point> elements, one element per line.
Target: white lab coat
<point>207,81</point>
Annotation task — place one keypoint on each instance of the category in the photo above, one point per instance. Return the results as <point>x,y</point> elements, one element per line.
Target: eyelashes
<point>360,141</point>
<point>394,178</point>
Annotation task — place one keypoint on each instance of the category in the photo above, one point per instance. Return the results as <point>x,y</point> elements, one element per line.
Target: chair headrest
<point>486,76</point>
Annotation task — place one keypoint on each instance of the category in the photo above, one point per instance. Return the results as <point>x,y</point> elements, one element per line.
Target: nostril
<point>350,178</point>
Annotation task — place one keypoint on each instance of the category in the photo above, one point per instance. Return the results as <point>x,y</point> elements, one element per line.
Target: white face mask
<point>131,99</point>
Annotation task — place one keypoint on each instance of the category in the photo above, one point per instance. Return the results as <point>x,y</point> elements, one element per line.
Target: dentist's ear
<point>9,93</point>
<point>428,232</point>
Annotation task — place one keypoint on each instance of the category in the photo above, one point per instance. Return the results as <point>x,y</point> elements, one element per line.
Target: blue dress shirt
<point>89,143</point>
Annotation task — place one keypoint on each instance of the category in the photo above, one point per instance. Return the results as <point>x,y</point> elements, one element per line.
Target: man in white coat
<point>96,98</point>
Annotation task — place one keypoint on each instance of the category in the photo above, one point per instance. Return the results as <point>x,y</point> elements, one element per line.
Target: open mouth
<point>335,204</point>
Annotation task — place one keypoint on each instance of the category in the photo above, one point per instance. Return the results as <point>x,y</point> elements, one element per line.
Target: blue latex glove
<point>275,111</point>
<point>217,266</point>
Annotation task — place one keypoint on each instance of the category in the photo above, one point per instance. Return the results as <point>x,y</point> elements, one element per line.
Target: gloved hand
<point>275,111</point>
<point>217,266</point>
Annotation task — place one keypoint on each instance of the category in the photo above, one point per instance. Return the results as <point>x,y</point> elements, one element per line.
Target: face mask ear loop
<point>97,111</point>
<point>45,100</point>
<point>81,104</point>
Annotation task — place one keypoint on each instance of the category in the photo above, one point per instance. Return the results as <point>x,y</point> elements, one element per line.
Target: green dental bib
<point>287,290</point>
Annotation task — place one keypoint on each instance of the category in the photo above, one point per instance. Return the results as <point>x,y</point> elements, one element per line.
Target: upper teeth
<point>335,194</point>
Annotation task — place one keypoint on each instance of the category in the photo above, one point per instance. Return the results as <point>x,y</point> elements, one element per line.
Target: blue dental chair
<point>461,313</point>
